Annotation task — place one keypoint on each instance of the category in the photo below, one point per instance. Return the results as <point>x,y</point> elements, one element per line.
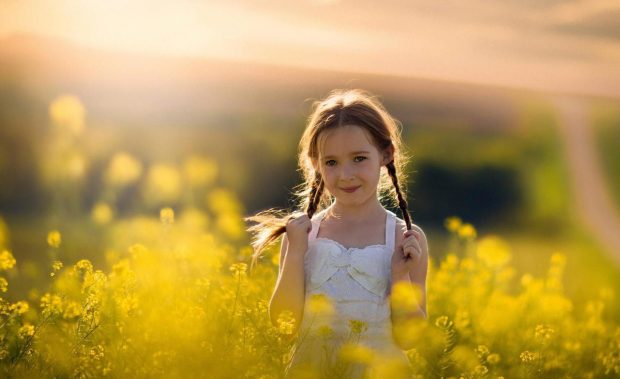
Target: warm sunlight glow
<point>570,46</point>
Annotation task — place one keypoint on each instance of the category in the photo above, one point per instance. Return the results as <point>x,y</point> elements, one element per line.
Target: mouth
<point>350,189</point>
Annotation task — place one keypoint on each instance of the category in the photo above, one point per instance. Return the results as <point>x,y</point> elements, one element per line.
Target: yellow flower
<point>54,238</point>
<point>67,113</point>
<point>101,213</point>
<point>26,330</point>
<point>443,322</point>
<point>493,359</point>
<point>357,326</point>
<point>526,279</point>
<point>238,269</point>
<point>19,308</point>
<point>84,266</point>
<point>467,231</point>
<point>72,310</point>
<point>320,304</point>
<point>137,251</point>
<point>450,262</point>
<point>6,260</point>
<point>493,251</point>
<point>167,216</point>
<point>543,333</point>
<point>128,304</point>
<point>286,322</point>
<point>405,297</point>
<point>480,371</point>
<point>56,266</point>
<point>466,358</point>
<point>468,264</point>
<point>482,351</point>
<point>354,352</point>
<point>122,170</point>
<point>51,304</point>
<point>527,356</point>
<point>163,184</point>
<point>4,285</point>
<point>453,224</point>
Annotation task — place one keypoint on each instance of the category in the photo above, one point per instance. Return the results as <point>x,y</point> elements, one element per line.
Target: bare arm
<point>418,273</point>
<point>415,274</point>
<point>289,292</point>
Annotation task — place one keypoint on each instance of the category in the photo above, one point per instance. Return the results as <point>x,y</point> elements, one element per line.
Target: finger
<point>407,251</point>
<point>415,246</point>
<point>410,245</point>
<point>412,233</point>
<point>411,252</point>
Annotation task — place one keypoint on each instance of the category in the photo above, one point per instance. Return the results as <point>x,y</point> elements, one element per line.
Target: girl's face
<point>351,164</point>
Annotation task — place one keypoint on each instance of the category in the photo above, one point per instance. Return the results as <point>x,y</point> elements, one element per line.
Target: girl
<point>345,248</point>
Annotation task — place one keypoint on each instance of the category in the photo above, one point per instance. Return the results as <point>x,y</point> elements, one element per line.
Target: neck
<point>358,213</point>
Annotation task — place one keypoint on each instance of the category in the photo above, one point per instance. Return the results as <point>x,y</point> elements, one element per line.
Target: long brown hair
<point>339,108</point>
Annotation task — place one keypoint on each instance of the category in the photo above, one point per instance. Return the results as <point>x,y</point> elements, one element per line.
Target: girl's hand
<point>297,230</point>
<point>407,255</point>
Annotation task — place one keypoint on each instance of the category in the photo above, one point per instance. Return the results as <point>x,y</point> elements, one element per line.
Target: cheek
<point>328,176</point>
<point>373,170</point>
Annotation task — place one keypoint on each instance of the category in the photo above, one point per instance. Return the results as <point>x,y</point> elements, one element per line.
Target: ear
<point>388,155</point>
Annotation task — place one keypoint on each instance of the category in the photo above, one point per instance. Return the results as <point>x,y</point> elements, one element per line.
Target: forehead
<point>345,140</point>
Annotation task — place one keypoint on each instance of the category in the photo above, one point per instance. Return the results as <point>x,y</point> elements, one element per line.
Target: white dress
<point>357,282</point>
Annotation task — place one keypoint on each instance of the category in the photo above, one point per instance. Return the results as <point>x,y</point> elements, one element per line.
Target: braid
<point>315,195</point>
<point>402,202</point>
<point>268,236</point>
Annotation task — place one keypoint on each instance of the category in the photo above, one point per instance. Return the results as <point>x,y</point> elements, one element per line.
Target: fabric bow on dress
<point>368,266</point>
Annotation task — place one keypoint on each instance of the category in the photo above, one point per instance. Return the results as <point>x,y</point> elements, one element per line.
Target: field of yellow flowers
<point>182,303</point>
<point>176,297</point>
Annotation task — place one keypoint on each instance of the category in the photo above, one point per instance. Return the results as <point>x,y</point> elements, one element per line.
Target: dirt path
<point>591,195</point>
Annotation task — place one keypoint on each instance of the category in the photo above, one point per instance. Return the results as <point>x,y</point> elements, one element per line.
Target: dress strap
<point>390,230</point>
<point>316,223</point>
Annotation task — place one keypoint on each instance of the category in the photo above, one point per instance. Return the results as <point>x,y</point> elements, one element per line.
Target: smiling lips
<point>350,189</point>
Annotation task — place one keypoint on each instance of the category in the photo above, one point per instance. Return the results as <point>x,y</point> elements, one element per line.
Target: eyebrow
<point>352,153</point>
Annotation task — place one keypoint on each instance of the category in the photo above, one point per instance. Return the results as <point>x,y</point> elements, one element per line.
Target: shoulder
<point>401,227</point>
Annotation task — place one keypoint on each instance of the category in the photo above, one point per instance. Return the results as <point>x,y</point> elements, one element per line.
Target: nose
<point>347,172</point>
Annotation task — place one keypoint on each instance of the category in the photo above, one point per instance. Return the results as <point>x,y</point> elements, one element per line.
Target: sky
<point>555,45</point>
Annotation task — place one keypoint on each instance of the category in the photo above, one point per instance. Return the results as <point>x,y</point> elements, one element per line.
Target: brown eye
<point>359,158</point>
<point>330,162</point>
